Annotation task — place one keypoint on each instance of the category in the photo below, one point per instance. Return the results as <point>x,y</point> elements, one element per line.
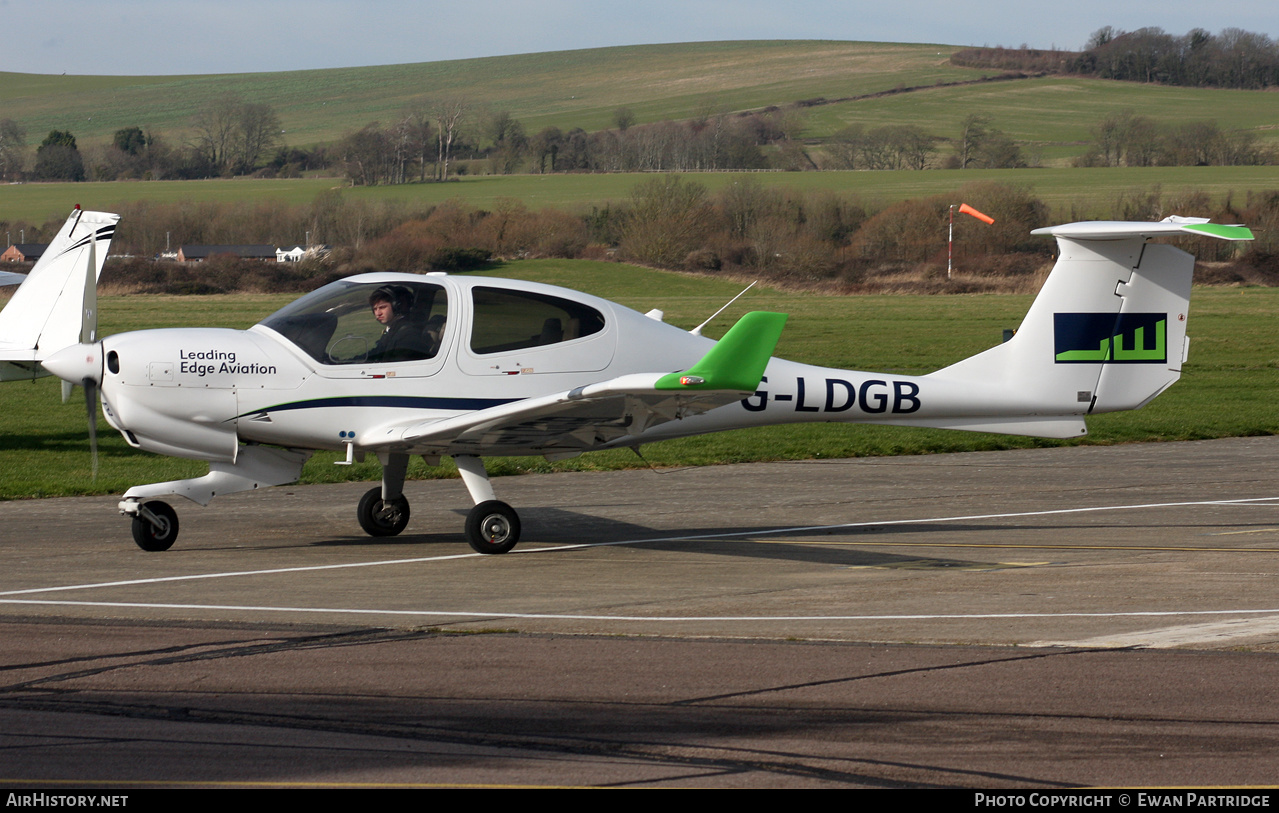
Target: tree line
<point>229,136</point>
<point>1233,58</point>
<point>420,143</point>
<point>497,143</point>
<point>1128,139</point>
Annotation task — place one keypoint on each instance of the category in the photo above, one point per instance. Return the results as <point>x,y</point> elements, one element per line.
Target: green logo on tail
<point>1124,338</point>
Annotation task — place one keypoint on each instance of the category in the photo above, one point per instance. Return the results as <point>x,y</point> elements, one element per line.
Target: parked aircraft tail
<point>1106,333</point>
<point>56,306</point>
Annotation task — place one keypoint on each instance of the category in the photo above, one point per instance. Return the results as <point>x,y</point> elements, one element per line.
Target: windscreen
<point>366,323</point>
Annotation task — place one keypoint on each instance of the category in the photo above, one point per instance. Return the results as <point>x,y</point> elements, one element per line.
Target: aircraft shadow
<point>555,526</point>
<point>62,442</point>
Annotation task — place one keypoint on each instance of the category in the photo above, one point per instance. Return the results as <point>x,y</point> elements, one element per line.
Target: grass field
<point>1053,117</point>
<point>567,88</point>
<point>1227,387</point>
<point>1075,194</point>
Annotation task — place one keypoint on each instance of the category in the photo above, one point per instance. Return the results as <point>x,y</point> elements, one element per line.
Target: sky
<point>148,37</point>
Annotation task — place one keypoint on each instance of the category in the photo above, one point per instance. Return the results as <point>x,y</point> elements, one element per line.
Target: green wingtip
<point>1220,230</point>
<point>737,361</point>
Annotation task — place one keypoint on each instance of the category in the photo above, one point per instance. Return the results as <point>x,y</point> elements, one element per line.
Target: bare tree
<point>368,155</point>
<point>449,114</point>
<point>215,125</point>
<point>400,142</point>
<point>257,133</point>
<point>844,147</point>
<point>668,218</point>
<point>233,135</point>
<point>417,135</point>
<point>971,132</point>
<point>546,144</point>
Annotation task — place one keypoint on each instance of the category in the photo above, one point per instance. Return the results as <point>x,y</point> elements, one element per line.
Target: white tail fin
<point>1106,333</point>
<point>56,305</point>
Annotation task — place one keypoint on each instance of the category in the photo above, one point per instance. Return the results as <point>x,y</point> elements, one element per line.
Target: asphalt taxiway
<point>1054,617</point>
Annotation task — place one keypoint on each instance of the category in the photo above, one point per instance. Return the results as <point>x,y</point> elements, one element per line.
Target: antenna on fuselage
<point>697,331</point>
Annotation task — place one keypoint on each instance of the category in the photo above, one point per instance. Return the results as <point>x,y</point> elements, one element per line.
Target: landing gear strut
<point>155,523</point>
<point>492,526</point>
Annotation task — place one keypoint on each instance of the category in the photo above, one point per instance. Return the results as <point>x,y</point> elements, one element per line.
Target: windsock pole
<point>964,209</point>
<point>950,242</point>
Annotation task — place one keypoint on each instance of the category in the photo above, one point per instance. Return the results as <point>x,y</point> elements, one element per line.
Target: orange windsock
<point>965,209</point>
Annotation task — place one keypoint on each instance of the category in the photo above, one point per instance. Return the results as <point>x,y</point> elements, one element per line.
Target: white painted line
<point>162,579</point>
<point>463,614</point>
<point>679,538</point>
<point>1215,633</point>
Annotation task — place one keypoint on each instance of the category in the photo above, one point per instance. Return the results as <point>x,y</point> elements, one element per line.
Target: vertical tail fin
<point>56,305</point>
<point>1107,331</point>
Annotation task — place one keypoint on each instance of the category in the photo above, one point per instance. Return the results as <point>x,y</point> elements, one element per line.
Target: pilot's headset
<point>400,297</point>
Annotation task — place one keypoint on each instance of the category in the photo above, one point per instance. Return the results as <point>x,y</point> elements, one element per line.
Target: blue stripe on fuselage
<point>388,401</point>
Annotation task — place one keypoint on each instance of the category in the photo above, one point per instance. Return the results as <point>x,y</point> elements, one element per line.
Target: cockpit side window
<point>340,323</point>
<point>507,320</point>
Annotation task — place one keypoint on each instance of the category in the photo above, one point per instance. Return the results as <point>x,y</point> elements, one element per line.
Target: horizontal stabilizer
<point>1107,331</point>
<point>1168,227</point>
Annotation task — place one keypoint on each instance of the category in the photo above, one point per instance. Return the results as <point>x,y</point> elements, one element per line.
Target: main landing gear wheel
<point>152,536</point>
<point>380,518</point>
<point>492,527</point>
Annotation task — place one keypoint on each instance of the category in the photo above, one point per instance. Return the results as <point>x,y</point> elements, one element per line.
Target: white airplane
<point>401,364</point>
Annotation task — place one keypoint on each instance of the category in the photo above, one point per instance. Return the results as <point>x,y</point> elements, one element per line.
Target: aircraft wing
<point>567,423</point>
<point>10,278</point>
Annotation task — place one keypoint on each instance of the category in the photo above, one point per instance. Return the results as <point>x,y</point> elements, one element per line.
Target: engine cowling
<point>176,392</point>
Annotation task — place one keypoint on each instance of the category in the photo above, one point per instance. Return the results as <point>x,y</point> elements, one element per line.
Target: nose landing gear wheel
<point>492,527</point>
<point>382,518</point>
<point>151,536</point>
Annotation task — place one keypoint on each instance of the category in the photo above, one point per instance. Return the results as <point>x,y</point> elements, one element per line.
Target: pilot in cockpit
<point>403,338</point>
<point>391,305</point>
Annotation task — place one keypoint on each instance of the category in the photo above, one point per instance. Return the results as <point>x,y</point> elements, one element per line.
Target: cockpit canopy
<point>335,324</point>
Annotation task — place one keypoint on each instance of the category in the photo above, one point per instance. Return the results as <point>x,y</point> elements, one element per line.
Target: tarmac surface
<point>1038,619</point>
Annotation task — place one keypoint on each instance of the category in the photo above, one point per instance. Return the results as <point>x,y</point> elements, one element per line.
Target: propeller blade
<point>89,302</point>
<point>67,386</point>
<point>91,406</point>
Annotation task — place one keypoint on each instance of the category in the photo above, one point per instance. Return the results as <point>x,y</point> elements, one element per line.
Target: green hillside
<point>567,88</point>
<point>1053,117</point>
<point>582,89</point>
<point>841,83</point>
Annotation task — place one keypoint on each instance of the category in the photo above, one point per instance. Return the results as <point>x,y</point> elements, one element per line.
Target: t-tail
<point>1106,333</point>
<point>56,306</point>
